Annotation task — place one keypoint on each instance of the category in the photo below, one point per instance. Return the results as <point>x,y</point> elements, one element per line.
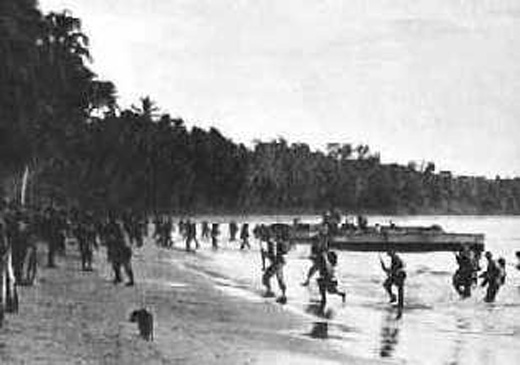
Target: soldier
<point>261,233</point>
<point>205,231</point>
<point>396,275</point>
<point>8,292</point>
<point>167,233</point>
<point>327,282</point>
<point>320,245</point>
<point>276,254</point>
<point>20,238</point>
<point>215,232</point>
<point>244,236</point>
<point>56,237</point>
<point>502,267</point>
<point>463,277</point>
<point>493,278</point>
<point>119,254</point>
<point>191,234</point>
<point>86,234</point>
<point>233,229</point>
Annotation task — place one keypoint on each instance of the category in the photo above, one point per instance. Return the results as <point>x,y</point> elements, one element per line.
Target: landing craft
<point>399,239</point>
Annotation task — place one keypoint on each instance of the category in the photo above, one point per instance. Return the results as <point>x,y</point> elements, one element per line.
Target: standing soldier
<point>167,232</point>
<point>86,234</point>
<point>244,236</point>
<point>215,232</point>
<point>55,235</point>
<point>191,234</point>
<point>117,251</point>
<point>20,238</point>
<point>396,275</point>
<point>205,233</point>
<point>8,292</point>
<point>233,229</point>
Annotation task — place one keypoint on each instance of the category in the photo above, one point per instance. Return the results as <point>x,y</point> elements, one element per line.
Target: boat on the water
<point>399,239</point>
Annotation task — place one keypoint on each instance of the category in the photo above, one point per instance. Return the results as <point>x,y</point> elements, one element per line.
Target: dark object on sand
<point>144,321</point>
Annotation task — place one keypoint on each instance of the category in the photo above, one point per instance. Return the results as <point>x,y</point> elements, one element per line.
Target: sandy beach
<point>73,317</point>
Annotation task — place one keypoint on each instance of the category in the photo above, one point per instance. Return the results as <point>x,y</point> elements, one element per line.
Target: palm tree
<point>148,108</point>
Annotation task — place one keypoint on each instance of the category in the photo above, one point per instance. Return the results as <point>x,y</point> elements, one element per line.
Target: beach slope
<point>74,317</point>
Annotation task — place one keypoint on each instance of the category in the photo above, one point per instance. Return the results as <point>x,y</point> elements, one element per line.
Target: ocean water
<point>437,326</point>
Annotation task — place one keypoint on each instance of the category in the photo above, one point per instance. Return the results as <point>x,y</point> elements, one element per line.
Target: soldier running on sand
<point>320,245</point>
<point>276,252</point>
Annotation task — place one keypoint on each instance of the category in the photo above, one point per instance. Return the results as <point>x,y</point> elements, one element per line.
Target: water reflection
<point>320,329</point>
<point>389,334</point>
<point>462,326</point>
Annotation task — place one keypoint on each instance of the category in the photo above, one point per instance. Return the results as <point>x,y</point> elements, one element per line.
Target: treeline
<point>63,124</point>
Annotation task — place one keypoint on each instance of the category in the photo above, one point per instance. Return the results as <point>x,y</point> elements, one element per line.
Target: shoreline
<point>303,212</point>
<point>70,316</point>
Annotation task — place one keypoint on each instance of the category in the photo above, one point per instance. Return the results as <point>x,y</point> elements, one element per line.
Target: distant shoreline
<point>307,212</point>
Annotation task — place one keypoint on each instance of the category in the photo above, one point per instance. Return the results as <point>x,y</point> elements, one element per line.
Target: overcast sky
<point>435,80</point>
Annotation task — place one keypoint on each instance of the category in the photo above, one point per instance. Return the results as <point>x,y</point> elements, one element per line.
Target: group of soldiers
<point>21,229</point>
<point>187,228</point>
<point>324,262</point>
<point>275,243</point>
<point>467,274</point>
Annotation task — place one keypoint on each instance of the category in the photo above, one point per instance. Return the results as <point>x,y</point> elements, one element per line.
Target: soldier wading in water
<point>396,275</point>
<point>465,276</point>
<point>327,281</point>
<point>494,277</point>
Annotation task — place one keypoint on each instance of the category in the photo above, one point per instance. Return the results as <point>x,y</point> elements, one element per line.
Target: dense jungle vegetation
<point>63,124</point>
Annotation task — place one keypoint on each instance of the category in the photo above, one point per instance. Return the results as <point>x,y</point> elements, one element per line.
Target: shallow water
<point>437,326</point>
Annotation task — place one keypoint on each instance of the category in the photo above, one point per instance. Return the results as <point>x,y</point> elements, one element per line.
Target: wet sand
<point>72,317</point>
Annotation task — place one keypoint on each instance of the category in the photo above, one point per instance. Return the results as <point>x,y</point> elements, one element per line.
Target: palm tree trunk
<point>25,179</point>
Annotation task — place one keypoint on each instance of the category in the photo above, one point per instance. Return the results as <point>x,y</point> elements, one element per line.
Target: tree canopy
<point>57,117</point>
